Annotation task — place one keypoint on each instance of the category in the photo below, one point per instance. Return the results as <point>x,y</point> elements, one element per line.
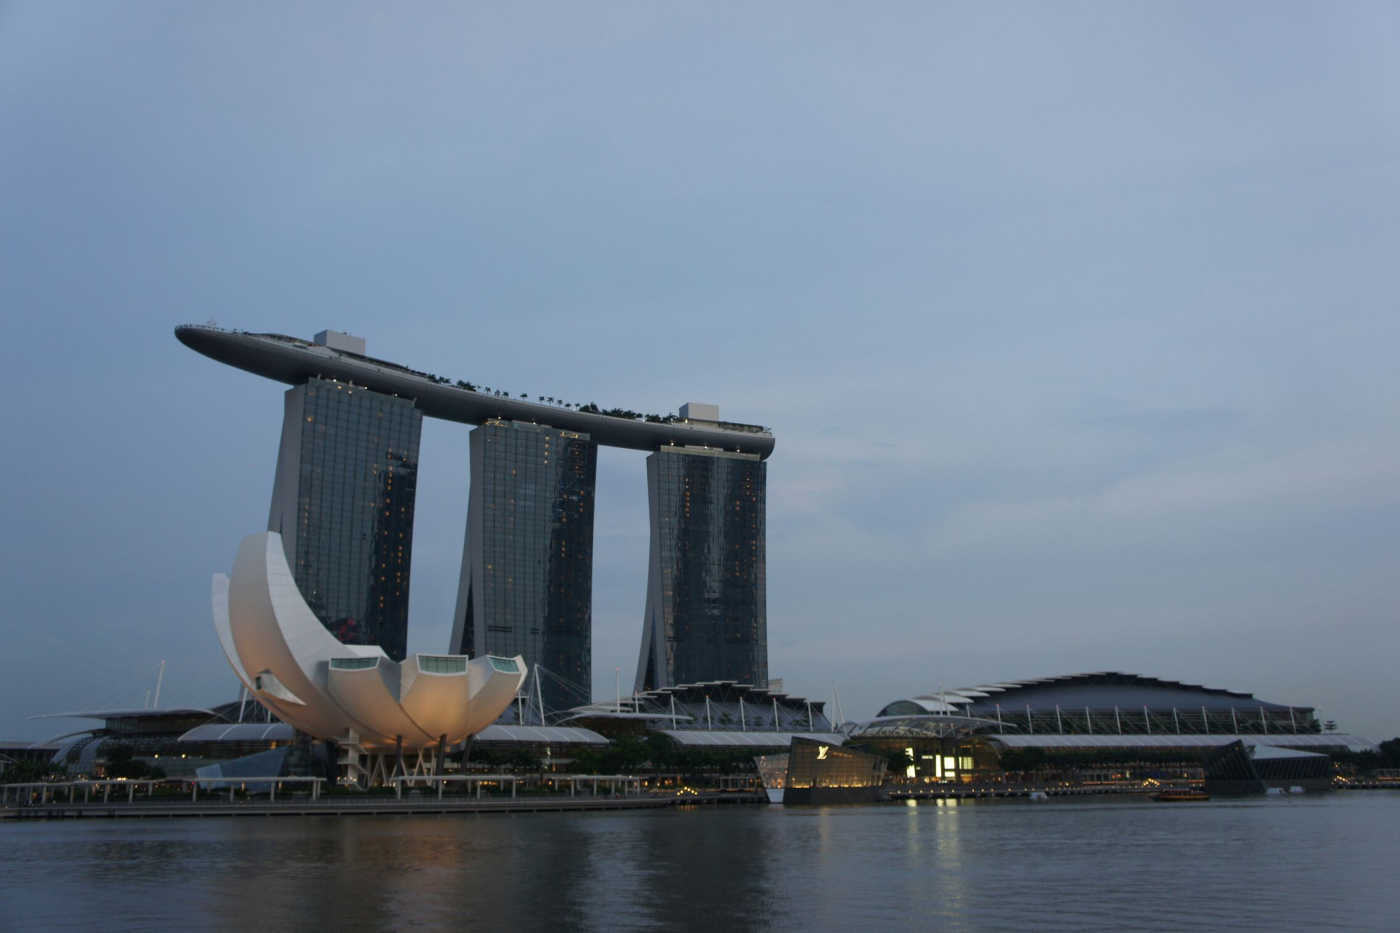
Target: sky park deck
<point>293,360</point>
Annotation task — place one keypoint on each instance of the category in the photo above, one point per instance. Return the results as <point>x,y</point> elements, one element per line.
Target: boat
<point>1174,794</point>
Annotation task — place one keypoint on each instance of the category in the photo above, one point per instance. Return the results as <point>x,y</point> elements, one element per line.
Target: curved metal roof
<point>938,726</point>
<point>290,360</point>
<point>1354,743</point>
<point>925,703</point>
<point>1097,690</point>
<point>541,735</point>
<point>1103,679</point>
<point>695,738</point>
<point>726,691</point>
<point>240,732</point>
<point>141,713</point>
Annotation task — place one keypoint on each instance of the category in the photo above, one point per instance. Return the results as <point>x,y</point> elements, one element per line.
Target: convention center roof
<point>1097,690</point>
<point>1333,740</point>
<point>166,712</point>
<point>934,726</point>
<point>714,706</point>
<point>541,735</point>
<point>696,739</point>
<point>240,732</point>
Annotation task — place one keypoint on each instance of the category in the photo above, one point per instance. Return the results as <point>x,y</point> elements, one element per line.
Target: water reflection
<point>1319,863</point>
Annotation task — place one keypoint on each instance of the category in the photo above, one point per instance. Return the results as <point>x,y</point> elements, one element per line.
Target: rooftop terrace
<point>293,360</point>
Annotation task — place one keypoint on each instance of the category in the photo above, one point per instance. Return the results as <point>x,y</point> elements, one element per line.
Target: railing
<point>631,784</point>
<point>145,791</point>
<point>53,789</point>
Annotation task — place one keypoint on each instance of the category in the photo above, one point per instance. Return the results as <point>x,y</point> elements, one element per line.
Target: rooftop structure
<point>715,706</point>
<point>14,754</point>
<point>294,361</point>
<point>1112,702</point>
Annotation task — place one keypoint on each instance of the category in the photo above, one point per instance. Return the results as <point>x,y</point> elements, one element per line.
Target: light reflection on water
<point>1321,862</point>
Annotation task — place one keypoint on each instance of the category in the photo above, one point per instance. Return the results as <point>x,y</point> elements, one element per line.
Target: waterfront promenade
<point>77,801</point>
<point>986,792</point>
<point>359,806</point>
<point>139,799</point>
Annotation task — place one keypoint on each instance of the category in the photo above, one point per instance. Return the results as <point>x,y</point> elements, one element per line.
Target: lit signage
<point>821,752</point>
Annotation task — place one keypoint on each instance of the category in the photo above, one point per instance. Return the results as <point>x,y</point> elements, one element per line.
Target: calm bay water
<point>1324,862</point>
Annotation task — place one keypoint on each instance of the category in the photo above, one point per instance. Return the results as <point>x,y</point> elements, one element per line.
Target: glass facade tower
<point>706,615</point>
<point>347,474</point>
<point>527,565</point>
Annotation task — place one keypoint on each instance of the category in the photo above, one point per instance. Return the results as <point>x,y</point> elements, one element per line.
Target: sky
<point>1076,324</point>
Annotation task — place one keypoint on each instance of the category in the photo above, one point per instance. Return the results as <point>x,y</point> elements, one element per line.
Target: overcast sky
<point>1076,323</point>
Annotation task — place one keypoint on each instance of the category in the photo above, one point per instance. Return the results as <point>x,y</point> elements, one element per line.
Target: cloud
<point>1077,332</point>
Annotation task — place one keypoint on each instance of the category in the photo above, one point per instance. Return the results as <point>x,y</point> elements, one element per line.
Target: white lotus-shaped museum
<point>351,694</point>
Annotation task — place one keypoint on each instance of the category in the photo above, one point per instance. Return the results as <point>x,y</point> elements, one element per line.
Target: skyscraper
<point>706,616</point>
<point>527,565</point>
<point>347,473</point>
<point>344,505</point>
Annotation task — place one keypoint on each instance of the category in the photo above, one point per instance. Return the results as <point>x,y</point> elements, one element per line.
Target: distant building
<point>1245,768</point>
<point>17,753</point>
<point>527,565</point>
<point>177,740</point>
<point>1108,715</point>
<point>719,714</point>
<point>343,498</point>
<point>814,772</point>
<point>1109,702</point>
<point>706,613</point>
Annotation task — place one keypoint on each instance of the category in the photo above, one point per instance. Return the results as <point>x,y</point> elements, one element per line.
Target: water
<point>1323,862</point>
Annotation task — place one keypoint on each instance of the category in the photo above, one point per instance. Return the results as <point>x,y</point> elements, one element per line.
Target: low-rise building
<point>1087,720</point>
